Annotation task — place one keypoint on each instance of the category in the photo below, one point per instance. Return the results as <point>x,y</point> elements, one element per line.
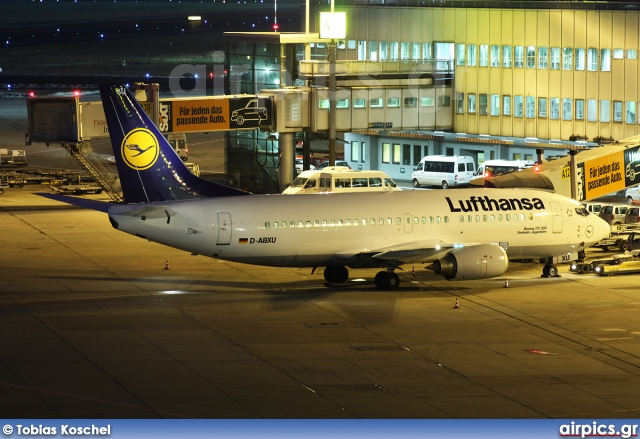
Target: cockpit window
<point>582,211</point>
<point>298,182</point>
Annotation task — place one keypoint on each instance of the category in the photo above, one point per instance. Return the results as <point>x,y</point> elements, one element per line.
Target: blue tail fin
<point>149,168</point>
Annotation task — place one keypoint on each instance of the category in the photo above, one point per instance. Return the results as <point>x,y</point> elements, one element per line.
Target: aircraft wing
<point>404,253</point>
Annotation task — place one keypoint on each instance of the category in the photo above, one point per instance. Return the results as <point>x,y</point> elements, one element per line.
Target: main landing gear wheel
<point>550,270</point>
<point>336,275</point>
<point>386,280</point>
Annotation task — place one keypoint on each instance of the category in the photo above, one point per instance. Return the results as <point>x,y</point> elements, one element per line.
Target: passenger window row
<point>492,217</point>
<point>357,222</point>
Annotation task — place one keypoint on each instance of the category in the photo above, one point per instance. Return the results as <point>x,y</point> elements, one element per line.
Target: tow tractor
<point>628,262</point>
<point>618,238</point>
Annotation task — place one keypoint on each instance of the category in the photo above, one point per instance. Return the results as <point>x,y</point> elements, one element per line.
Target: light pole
<point>333,25</point>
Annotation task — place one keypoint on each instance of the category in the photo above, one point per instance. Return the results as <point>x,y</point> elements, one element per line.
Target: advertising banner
<point>601,176</point>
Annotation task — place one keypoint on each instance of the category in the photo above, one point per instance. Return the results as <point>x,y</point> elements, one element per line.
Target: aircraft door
<point>407,219</point>
<point>224,228</point>
<point>556,212</point>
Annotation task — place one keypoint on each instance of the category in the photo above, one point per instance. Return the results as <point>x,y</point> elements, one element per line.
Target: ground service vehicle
<point>619,264</point>
<point>626,262</point>
<point>593,207</point>
<point>178,142</point>
<point>444,171</point>
<point>613,213</point>
<point>618,239</point>
<point>338,179</point>
<point>491,168</point>
<point>632,216</point>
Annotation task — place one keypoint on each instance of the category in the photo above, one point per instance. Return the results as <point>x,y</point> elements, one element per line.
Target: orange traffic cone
<point>457,305</point>
<point>506,283</point>
<point>166,265</point>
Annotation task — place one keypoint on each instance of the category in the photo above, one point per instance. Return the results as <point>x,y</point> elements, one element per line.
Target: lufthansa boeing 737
<point>464,233</point>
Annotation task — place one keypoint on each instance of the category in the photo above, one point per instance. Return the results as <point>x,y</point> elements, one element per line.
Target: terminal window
<point>555,58</point>
<point>471,52</point>
<point>554,113</point>
<point>605,60</point>
<point>542,107</point>
<point>567,58</point>
<point>617,111</point>
<point>579,109</point>
<point>531,57</point>
<point>471,100</point>
<point>519,57</point>
<point>495,105</point>
<point>517,106</point>
<point>579,59</point>
<point>427,53</point>
<point>384,51</point>
<point>542,58</point>
<point>495,56</point>
<point>482,104</point>
<point>566,109</point>
<point>531,107</point>
<point>484,55</point>
<point>592,59</point>
<point>631,112</point>
<point>506,56</point>
<point>427,102</point>
<point>460,103</point>
<point>506,105</point>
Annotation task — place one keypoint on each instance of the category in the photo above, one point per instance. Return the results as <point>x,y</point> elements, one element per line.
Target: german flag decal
<point>243,241</point>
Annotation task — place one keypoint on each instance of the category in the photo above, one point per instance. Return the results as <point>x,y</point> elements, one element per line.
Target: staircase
<point>96,169</point>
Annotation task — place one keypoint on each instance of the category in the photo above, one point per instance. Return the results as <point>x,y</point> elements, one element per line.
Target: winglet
<point>149,168</point>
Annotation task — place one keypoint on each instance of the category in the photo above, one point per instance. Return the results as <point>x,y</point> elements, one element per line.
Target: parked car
<point>300,164</point>
<point>338,163</point>
<point>613,213</point>
<point>632,216</point>
<point>592,207</point>
<point>632,194</point>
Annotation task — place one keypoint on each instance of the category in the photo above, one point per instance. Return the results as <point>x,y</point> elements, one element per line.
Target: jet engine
<point>474,262</point>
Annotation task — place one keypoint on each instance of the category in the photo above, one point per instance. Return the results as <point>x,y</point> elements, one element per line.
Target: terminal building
<point>493,80</point>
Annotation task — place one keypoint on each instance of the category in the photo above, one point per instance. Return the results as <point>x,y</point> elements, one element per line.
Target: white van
<point>339,179</point>
<point>491,168</point>
<point>444,171</point>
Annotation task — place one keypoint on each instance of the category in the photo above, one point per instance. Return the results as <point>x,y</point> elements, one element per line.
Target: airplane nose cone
<point>599,229</point>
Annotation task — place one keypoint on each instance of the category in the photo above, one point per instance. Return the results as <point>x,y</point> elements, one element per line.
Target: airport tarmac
<point>93,325</point>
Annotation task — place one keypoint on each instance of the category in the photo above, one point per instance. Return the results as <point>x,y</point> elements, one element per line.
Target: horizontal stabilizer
<point>100,206</point>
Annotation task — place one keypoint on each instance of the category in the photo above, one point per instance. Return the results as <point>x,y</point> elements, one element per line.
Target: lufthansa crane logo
<point>140,149</point>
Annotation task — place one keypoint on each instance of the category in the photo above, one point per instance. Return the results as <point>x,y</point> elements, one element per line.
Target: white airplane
<point>464,233</point>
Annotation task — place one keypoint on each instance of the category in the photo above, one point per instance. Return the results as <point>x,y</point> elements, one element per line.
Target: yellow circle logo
<point>140,149</point>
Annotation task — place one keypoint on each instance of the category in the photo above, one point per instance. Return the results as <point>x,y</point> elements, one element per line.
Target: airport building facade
<point>523,78</point>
